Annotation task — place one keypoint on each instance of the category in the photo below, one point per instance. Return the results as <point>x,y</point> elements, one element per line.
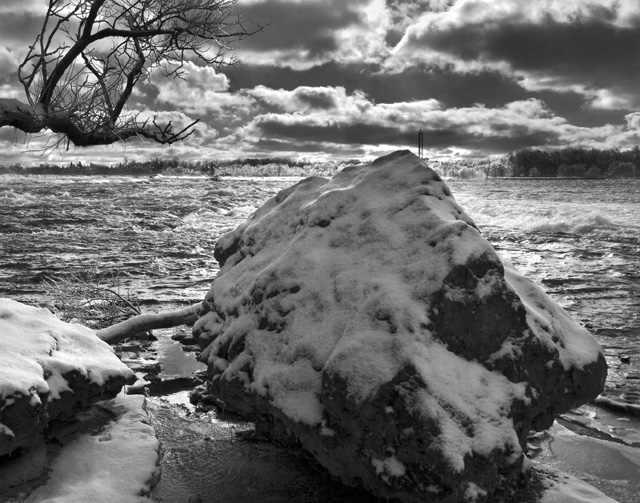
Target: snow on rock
<point>117,465</point>
<point>558,487</point>
<point>367,317</point>
<point>48,370</point>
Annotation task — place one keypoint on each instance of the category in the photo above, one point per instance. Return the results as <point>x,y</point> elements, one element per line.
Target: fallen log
<point>150,321</point>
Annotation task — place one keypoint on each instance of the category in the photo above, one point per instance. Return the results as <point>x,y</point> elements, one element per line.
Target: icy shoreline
<point>116,464</point>
<point>130,437</point>
<point>629,461</point>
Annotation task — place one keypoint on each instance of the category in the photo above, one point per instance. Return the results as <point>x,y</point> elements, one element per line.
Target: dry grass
<point>97,303</point>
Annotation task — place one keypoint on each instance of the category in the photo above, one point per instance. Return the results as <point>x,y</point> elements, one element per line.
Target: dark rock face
<point>367,318</point>
<point>49,370</point>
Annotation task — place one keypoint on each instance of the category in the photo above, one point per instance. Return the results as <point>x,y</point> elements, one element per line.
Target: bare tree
<point>90,54</point>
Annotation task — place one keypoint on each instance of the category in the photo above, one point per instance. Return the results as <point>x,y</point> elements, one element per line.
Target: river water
<point>579,239</point>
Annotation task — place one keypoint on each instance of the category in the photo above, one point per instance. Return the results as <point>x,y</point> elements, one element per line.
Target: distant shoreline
<point>254,172</point>
<point>549,178</point>
<point>152,176</point>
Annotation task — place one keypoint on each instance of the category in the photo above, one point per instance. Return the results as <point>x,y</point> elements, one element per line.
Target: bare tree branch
<point>85,63</point>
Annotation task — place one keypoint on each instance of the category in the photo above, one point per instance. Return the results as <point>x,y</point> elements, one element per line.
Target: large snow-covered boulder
<point>368,318</point>
<point>48,370</point>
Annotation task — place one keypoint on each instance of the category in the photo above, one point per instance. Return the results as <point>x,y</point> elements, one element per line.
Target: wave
<point>17,198</point>
<point>206,219</point>
<point>549,220</point>
<point>202,219</point>
<point>577,225</point>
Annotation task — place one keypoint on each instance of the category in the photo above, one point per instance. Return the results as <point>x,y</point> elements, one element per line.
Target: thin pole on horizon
<point>420,144</point>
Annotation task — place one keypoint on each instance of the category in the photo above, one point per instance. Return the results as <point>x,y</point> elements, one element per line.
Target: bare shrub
<point>91,299</point>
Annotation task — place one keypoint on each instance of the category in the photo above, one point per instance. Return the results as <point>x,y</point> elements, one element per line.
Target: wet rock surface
<point>163,365</point>
<point>368,320</point>
<point>49,371</point>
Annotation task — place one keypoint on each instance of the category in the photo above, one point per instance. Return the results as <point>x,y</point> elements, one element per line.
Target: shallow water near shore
<point>219,458</point>
<point>580,240</point>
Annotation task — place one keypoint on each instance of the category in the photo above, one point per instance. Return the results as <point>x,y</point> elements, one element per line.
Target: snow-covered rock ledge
<point>48,371</point>
<point>367,317</point>
<point>118,464</point>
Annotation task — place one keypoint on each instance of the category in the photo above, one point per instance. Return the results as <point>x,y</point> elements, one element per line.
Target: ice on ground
<point>564,488</point>
<point>116,465</point>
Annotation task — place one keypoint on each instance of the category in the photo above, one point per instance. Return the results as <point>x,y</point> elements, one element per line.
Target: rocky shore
<point>67,434</point>
<point>362,321</point>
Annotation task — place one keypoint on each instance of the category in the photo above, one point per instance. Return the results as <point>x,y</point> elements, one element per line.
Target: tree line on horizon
<point>576,162</point>
<point>570,162</point>
<point>249,166</point>
<point>564,163</point>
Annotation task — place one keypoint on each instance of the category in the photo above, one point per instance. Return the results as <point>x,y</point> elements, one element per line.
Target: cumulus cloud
<point>333,106</point>
<point>9,64</point>
<point>312,100</point>
<point>19,25</point>
<point>362,76</point>
<point>333,116</point>
<point>547,44</point>
<point>199,91</point>
<point>585,45</point>
<point>23,6</point>
<point>202,132</point>
<point>633,120</point>
<point>306,33</point>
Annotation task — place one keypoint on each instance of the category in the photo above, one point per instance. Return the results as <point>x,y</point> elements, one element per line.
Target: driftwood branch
<point>145,322</point>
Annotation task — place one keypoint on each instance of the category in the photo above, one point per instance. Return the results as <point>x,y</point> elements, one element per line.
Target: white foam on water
<point>575,224</point>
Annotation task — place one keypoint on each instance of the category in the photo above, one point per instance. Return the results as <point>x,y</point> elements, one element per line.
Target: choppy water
<point>579,239</point>
<point>157,235</point>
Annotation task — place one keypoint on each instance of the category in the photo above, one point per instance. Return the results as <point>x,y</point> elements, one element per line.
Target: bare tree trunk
<point>21,115</point>
<point>35,119</point>
<point>85,63</point>
<point>144,322</point>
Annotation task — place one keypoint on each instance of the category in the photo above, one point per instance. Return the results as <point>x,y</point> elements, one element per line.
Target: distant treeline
<point>568,162</point>
<point>274,166</point>
<point>576,162</point>
<point>565,163</point>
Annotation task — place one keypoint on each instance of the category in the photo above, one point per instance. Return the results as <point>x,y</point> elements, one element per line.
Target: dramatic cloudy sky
<point>352,78</point>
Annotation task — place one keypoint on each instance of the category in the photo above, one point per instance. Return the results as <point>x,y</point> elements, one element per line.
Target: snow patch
<point>325,430</point>
<point>390,466</point>
<point>551,324</point>
<point>473,492</point>
<point>564,488</point>
<point>5,430</point>
<point>37,350</point>
<point>116,466</point>
<point>471,404</point>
